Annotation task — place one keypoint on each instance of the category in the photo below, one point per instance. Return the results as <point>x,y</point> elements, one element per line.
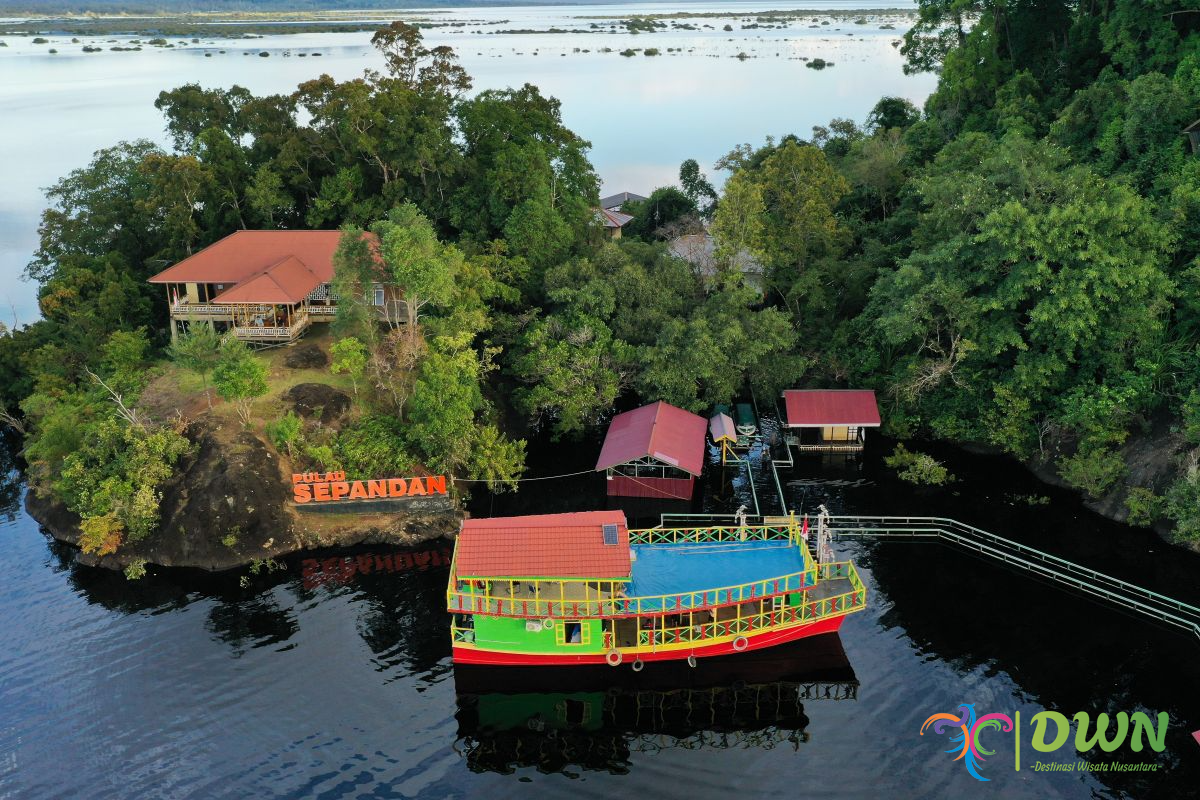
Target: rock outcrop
<point>229,505</point>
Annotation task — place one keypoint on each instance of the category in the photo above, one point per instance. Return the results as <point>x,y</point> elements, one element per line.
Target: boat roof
<point>659,431</point>
<point>815,408</point>
<point>544,546</point>
<point>720,427</point>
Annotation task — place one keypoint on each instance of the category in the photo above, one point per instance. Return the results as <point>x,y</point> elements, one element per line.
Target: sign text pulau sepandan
<point>323,487</point>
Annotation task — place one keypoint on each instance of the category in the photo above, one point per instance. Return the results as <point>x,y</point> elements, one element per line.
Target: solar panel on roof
<point>610,533</point>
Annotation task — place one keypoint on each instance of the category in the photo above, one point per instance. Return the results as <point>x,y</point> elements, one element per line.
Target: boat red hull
<point>759,641</point>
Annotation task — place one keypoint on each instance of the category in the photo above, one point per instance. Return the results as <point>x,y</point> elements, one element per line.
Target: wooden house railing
<point>201,308</point>
<point>273,332</point>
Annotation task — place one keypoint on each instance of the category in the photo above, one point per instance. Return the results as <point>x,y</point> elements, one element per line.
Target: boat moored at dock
<point>582,588</point>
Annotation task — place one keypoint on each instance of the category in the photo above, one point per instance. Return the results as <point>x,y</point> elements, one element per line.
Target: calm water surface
<point>643,115</point>
<point>333,679</point>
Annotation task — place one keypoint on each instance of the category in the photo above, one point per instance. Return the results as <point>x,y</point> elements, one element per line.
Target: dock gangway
<point>1133,598</point>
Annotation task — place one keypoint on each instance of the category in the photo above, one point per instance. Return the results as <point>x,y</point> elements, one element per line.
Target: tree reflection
<point>246,623</point>
<point>10,477</point>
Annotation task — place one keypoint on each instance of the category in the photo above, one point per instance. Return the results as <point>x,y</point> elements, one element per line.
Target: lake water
<point>643,115</point>
<point>333,679</point>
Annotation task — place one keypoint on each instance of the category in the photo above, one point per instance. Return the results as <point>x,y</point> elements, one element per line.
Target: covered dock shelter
<point>655,451</point>
<point>830,419</point>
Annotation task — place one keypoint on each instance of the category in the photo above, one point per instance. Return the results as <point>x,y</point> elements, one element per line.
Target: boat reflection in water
<point>595,717</point>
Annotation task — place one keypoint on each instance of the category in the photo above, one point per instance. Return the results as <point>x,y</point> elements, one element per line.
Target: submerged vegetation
<point>918,468</point>
<point>1013,265</point>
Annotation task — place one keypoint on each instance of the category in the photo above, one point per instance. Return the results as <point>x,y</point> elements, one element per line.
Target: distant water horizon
<point>709,90</point>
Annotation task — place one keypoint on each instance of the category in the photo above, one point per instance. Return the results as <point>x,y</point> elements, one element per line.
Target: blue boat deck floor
<point>673,569</point>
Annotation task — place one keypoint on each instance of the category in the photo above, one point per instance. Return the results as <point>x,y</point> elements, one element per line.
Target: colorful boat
<point>582,588</point>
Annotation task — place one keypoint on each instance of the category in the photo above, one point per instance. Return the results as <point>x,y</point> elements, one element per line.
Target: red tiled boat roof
<point>243,254</point>
<point>543,546</point>
<point>820,407</point>
<point>660,431</point>
<point>286,281</point>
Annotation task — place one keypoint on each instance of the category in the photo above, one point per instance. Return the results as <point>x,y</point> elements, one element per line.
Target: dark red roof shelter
<point>820,408</point>
<point>654,451</point>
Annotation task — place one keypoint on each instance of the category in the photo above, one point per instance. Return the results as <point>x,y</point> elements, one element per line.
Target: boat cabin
<point>830,419</point>
<point>582,588</point>
<point>655,451</point>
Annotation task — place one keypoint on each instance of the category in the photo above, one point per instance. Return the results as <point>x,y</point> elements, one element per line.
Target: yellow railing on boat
<point>768,619</point>
<point>810,610</point>
<point>570,599</point>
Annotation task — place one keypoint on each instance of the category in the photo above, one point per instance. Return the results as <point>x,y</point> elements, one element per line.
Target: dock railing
<point>1130,596</point>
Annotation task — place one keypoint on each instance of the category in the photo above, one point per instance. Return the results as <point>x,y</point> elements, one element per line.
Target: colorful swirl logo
<point>966,741</point>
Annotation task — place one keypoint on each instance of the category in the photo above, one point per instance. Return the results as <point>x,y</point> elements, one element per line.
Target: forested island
<point>1014,267</point>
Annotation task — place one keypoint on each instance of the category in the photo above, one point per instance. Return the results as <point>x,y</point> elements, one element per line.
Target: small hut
<point>831,419</point>
<point>654,451</point>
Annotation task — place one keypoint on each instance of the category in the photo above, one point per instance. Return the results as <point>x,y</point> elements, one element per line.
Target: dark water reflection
<point>332,678</point>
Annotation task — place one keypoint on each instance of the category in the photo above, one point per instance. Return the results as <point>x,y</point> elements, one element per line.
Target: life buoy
<point>692,662</point>
<point>741,643</point>
<point>614,658</point>
<point>637,665</point>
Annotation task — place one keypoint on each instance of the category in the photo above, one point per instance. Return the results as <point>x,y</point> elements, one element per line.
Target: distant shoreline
<point>236,24</point>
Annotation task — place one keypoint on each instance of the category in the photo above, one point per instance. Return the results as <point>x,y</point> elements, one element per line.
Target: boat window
<point>572,632</point>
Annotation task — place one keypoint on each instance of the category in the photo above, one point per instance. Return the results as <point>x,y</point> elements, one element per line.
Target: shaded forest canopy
<point>1015,264</point>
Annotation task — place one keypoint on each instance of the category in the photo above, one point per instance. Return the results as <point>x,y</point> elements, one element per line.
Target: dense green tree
<point>1035,291</point>
<point>659,214</point>
<point>892,113</point>
<point>349,356</point>
<point>516,150</point>
<point>696,186</point>
<point>240,377</point>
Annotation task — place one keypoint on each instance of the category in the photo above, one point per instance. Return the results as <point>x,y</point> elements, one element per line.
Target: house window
<point>378,295</point>
<point>852,433</point>
<point>573,631</point>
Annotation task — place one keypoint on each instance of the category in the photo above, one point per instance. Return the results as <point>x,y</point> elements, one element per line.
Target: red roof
<point>660,431</point>
<point>812,408</point>
<point>244,254</point>
<point>286,281</point>
<point>543,546</point>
